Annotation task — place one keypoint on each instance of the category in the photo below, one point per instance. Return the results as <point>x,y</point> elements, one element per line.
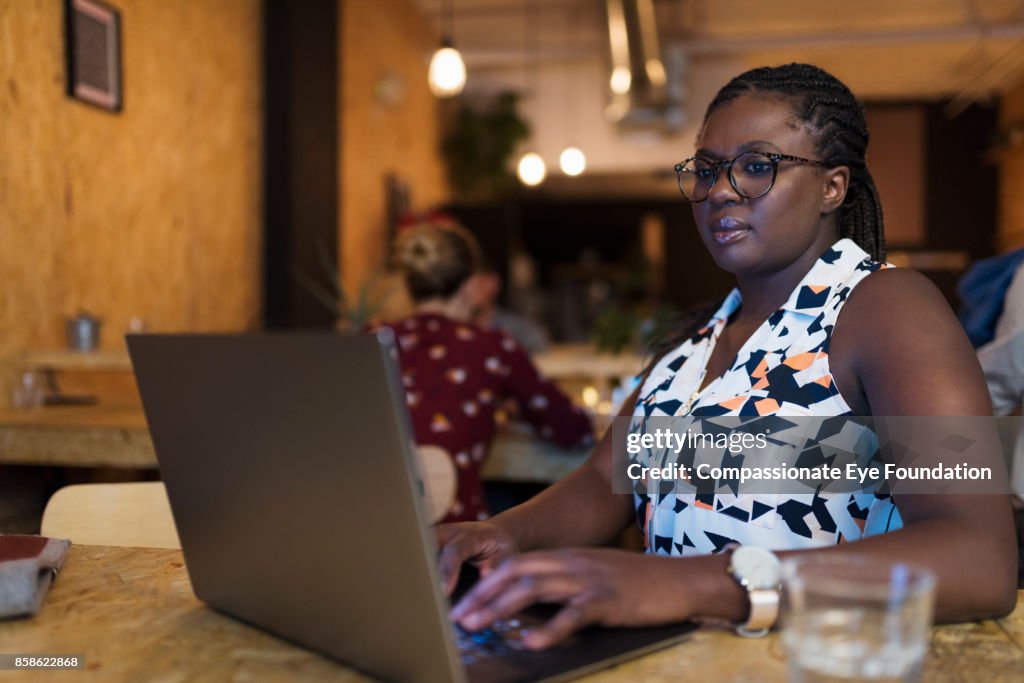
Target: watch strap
<point>764,612</point>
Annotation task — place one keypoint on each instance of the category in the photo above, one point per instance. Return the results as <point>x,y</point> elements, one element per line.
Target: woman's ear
<point>837,182</point>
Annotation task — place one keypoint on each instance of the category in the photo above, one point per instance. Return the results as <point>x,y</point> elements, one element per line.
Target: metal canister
<point>83,332</point>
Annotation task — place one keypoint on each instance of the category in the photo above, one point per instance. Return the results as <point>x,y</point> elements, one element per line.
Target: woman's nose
<point>722,190</point>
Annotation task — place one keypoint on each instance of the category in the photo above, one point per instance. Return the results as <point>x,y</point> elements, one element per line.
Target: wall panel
<point>150,213</point>
<point>1011,173</point>
<point>386,40</point>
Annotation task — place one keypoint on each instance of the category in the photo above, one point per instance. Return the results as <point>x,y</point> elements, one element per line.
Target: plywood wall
<point>152,213</point>
<point>1011,173</point>
<point>897,157</point>
<point>389,123</point>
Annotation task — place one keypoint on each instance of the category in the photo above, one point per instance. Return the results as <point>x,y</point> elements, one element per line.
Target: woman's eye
<point>758,168</point>
<point>704,174</point>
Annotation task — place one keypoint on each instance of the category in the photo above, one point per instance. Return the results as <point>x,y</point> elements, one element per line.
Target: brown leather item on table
<point>28,565</point>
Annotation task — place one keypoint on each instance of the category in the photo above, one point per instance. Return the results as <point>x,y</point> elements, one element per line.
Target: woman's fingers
<point>594,586</point>
<point>524,580</point>
<point>490,587</point>
<point>520,594</point>
<point>479,542</point>
<point>574,616</point>
<point>454,551</point>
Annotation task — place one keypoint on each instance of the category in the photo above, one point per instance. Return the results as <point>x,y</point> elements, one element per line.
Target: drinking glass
<point>28,392</point>
<point>855,619</point>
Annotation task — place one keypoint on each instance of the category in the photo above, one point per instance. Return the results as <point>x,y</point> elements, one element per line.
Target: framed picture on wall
<point>93,46</point>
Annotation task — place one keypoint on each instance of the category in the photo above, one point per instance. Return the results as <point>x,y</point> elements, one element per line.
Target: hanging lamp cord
<point>446,22</point>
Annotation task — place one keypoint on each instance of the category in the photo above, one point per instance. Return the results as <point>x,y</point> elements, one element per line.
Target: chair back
<point>440,480</point>
<point>123,514</point>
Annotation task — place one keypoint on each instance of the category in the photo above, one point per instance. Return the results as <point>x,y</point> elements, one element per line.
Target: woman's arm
<point>898,345</point>
<point>897,349</point>
<point>579,510</point>
<point>541,403</point>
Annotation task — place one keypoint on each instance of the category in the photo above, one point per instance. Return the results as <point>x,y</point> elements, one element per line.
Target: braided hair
<point>827,106</point>
<point>836,118</point>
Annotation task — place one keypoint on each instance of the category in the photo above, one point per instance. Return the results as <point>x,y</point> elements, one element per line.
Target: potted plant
<point>480,144</point>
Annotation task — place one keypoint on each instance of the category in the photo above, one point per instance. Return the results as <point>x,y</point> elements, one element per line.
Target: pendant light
<point>572,160</point>
<point>531,169</point>
<point>447,75</point>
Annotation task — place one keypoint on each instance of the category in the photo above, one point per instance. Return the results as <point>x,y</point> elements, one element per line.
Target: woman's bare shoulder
<point>907,348</point>
<point>892,302</point>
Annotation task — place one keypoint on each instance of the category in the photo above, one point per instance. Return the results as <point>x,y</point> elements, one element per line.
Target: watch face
<point>756,567</point>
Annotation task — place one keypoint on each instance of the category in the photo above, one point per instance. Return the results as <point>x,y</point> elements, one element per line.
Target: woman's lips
<point>728,229</point>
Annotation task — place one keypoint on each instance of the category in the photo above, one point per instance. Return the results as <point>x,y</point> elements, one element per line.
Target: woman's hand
<point>484,544</point>
<point>594,586</point>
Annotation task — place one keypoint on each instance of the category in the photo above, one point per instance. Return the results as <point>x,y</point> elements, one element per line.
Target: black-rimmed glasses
<point>752,174</point>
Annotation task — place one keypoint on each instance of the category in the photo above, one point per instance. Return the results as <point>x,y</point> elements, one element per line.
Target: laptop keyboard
<point>498,639</point>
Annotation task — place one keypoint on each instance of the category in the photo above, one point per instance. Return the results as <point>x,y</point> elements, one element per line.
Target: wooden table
<point>76,436</point>
<point>562,361</point>
<point>131,612</point>
<point>518,454</point>
<point>58,360</point>
<point>118,437</point>
<point>83,377</point>
<point>103,436</point>
<point>556,362</point>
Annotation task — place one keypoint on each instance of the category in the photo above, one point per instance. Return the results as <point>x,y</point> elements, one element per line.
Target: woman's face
<point>767,234</point>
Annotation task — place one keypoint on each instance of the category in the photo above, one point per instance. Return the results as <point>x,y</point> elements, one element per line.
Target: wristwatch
<point>758,570</point>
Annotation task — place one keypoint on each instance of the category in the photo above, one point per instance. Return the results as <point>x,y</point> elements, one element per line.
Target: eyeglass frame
<point>775,157</point>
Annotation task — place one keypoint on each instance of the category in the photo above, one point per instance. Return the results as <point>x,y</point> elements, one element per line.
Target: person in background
<point>817,326</point>
<point>456,374</point>
<point>490,314</point>
<point>1002,360</point>
<point>1001,354</point>
<point>983,293</point>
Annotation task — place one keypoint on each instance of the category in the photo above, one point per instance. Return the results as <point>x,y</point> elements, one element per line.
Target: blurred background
<point>260,156</point>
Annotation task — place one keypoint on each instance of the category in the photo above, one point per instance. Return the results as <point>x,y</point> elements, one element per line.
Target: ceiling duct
<point>644,95</point>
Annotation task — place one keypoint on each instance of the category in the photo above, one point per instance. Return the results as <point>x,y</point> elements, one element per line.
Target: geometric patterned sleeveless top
<point>782,369</point>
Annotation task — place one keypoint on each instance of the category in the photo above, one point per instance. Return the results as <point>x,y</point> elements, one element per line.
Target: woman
<point>456,374</point>
<point>783,200</point>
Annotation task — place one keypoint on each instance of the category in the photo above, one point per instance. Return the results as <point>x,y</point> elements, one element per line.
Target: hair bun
<point>418,249</point>
<point>436,258</point>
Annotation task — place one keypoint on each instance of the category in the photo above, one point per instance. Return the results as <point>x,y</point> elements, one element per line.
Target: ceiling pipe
<point>638,96</point>
<point>496,56</point>
<point>697,45</point>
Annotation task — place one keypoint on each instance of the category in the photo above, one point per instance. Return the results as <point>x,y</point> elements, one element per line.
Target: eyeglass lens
<point>751,174</point>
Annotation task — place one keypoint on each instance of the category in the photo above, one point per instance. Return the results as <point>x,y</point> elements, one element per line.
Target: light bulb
<point>573,161</point>
<point>447,76</point>
<point>621,80</point>
<point>655,72</point>
<point>531,169</point>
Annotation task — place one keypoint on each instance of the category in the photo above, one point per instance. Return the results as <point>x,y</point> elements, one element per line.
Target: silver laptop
<point>289,464</point>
